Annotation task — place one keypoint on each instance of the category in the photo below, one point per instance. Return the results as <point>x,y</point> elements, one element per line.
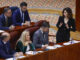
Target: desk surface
<point>19,28</point>
<point>69,52</point>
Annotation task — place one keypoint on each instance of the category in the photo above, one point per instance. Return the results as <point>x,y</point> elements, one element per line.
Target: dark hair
<point>69,11</point>
<point>6,9</point>
<point>23,4</point>
<point>45,24</point>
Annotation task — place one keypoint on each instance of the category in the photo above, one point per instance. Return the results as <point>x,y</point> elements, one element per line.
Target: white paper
<point>15,58</point>
<point>1,31</point>
<point>67,43</point>
<point>58,46</point>
<point>39,51</point>
<point>71,42</point>
<point>54,47</point>
<point>31,52</point>
<point>51,47</point>
<point>9,59</point>
<point>74,41</point>
<point>21,57</point>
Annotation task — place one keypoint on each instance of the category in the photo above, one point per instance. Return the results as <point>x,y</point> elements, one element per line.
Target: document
<point>50,47</point>
<point>9,59</point>
<point>67,43</point>
<point>71,42</point>
<point>31,52</point>
<point>1,31</point>
<point>54,46</point>
<point>15,58</point>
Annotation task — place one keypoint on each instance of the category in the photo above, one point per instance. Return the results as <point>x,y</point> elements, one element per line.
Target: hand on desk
<point>11,27</point>
<point>44,46</point>
<point>26,23</point>
<point>17,54</point>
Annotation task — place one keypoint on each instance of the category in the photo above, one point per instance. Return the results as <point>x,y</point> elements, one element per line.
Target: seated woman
<point>24,44</point>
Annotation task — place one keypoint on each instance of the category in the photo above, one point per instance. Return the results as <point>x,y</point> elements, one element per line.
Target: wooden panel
<point>78,15</point>
<point>2,9</point>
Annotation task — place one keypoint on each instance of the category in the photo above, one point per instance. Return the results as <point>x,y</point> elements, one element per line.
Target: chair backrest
<point>32,30</point>
<point>39,23</point>
<point>13,8</point>
<point>2,9</point>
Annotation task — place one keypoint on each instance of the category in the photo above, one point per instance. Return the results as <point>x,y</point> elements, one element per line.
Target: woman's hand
<point>67,26</point>
<point>20,53</point>
<point>60,24</point>
<point>26,43</point>
<point>30,42</point>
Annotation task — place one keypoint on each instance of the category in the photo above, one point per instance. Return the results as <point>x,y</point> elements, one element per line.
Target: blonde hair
<point>23,36</point>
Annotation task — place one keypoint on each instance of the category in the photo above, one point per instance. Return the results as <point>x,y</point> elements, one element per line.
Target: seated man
<point>6,20</point>
<point>40,37</point>
<point>5,49</point>
<point>21,16</point>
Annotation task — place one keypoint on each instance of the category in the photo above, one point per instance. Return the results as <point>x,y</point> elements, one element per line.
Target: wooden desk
<point>70,52</point>
<point>20,28</point>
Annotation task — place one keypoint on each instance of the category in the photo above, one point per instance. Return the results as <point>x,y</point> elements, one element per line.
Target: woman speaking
<point>65,24</point>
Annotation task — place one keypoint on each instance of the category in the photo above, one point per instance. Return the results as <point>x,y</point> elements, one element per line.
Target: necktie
<point>23,17</point>
<point>44,38</point>
<point>44,35</point>
<point>6,24</point>
<point>6,48</point>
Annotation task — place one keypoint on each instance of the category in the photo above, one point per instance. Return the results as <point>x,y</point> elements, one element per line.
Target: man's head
<point>6,36</point>
<point>45,26</point>
<point>7,12</point>
<point>23,6</point>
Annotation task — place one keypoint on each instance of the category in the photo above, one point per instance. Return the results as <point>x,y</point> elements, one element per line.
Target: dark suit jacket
<point>39,40</point>
<point>70,23</point>
<point>3,22</point>
<point>17,19</point>
<point>5,50</point>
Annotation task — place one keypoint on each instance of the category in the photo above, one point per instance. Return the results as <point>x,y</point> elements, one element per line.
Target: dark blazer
<point>63,34</point>
<point>5,50</point>
<point>3,22</point>
<point>39,40</point>
<point>21,48</point>
<point>17,18</point>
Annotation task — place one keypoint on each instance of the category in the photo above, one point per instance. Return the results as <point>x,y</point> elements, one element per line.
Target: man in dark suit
<point>21,16</point>
<point>5,49</point>
<point>6,20</point>
<point>40,37</point>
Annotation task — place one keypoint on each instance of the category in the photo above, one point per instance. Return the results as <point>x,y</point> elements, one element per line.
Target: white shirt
<point>22,15</point>
<point>44,35</point>
<point>28,48</point>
